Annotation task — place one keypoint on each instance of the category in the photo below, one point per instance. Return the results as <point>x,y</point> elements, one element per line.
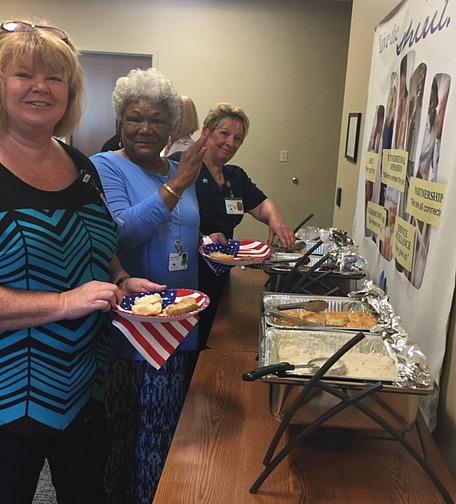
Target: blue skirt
<point>142,409</point>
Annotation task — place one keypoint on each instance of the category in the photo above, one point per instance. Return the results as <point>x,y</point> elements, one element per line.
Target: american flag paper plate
<point>169,297</point>
<point>157,337</point>
<point>242,252</point>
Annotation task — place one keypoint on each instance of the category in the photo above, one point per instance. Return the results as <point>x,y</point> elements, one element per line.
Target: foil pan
<point>360,369</point>
<point>290,258</point>
<point>285,256</point>
<point>368,361</point>
<point>271,300</point>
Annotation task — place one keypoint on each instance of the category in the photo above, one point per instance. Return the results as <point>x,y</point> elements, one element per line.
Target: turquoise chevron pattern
<point>48,373</point>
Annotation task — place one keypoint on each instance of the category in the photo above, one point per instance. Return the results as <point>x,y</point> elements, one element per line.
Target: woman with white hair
<point>154,202</point>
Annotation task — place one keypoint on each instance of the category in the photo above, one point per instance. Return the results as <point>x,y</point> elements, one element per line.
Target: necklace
<point>219,180</point>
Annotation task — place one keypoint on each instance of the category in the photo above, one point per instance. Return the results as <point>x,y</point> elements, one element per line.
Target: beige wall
<point>283,62</point>
<point>365,15</point>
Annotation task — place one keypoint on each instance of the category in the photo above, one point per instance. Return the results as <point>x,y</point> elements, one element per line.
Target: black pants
<point>212,285</point>
<point>76,458</point>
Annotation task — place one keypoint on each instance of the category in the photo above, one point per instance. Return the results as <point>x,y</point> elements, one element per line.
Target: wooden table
<point>236,325</point>
<point>225,428</point>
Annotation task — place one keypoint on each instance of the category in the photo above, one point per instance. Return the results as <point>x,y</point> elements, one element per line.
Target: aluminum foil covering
<point>413,369</point>
<point>337,236</point>
<point>348,260</point>
<point>343,251</point>
<point>338,244</point>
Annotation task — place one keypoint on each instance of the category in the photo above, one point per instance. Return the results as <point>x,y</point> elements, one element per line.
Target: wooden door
<point>98,122</point>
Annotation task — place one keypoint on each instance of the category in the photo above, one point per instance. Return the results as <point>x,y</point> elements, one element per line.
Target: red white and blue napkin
<point>243,252</point>
<point>231,249</point>
<point>156,340</point>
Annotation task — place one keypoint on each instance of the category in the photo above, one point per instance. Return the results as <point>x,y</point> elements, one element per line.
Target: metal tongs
<point>308,305</point>
<point>277,314</point>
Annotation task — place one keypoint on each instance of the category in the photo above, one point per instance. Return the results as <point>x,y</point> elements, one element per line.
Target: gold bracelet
<point>172,191</point>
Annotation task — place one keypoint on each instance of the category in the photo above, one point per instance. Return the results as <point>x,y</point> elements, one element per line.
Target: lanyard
<point>178,245</point>
<point>178,240</point>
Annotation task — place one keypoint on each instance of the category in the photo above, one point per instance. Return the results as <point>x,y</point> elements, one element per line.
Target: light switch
<point>283,156</point>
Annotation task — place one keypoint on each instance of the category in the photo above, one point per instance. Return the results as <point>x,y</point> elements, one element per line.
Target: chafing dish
<point>317,389</point>
<point>396,404</point>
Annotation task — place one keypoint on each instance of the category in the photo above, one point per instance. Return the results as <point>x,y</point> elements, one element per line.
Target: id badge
<point>234,206</point>
<point>178,262</point>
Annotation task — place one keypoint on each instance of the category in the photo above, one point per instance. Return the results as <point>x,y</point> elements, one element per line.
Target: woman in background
<point>154,200</point>
<point>59,273</point>
<point>225,193</point>
<point>181,138</point>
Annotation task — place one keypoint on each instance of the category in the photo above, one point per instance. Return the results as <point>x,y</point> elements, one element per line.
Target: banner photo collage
<point>403,219</point>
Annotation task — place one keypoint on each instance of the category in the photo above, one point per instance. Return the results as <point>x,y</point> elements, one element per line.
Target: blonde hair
<point>221,111</point>
<point>188,122</point>
<point>44,50</point>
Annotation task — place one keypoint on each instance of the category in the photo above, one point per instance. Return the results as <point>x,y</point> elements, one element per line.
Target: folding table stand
<point>310,280</point>
<point>312,387</point>
<point>322,283</point>
<point>296,279</point>
<point>306,282</point>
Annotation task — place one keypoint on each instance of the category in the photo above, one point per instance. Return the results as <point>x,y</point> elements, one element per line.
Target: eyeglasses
<point>22,26</point>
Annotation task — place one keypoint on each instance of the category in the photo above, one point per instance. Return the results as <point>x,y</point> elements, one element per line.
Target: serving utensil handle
<point>301,224</point>
<point>267,370</point>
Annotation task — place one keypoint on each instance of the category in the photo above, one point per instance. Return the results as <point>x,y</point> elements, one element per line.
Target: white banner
<point>405,210</point>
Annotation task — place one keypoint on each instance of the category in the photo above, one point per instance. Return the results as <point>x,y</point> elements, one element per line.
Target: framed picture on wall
<point>351,145</point>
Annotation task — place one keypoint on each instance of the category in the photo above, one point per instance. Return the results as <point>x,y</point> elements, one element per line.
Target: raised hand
<point>189,165</point>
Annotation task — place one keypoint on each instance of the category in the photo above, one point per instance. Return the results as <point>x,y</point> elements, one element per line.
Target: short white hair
<point>147,84</point>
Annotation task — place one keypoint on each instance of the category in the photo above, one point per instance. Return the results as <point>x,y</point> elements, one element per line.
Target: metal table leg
<point>308,392</point>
